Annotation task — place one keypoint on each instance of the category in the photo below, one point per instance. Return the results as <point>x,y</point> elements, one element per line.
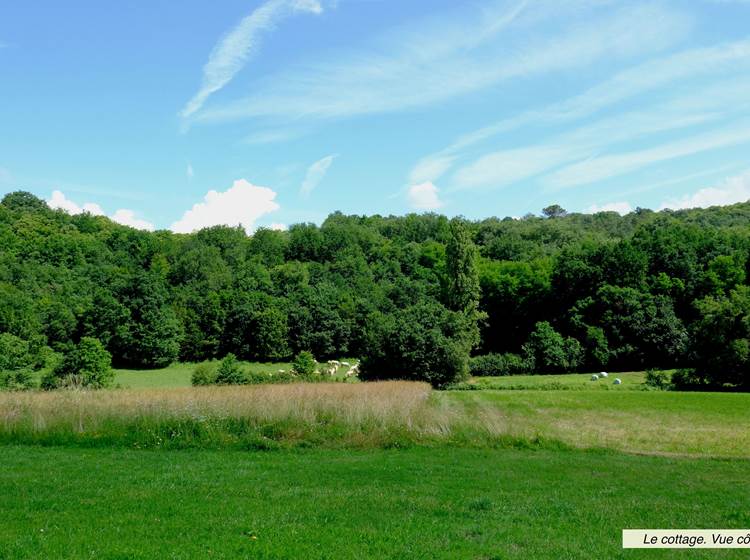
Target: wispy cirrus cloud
<point>234,50</point>
<point>315,174</point>
<point>437,60</point>
<point>731,190</point>
<point>649,76</point>
<point>272,136</point>
<point>605,167</point>
<point>579,146</point>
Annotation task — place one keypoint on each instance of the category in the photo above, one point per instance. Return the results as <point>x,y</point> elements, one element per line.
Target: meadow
<point>450,503</point>
<point>351,470</point>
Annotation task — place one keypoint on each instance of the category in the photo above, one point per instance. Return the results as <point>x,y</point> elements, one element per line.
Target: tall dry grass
<point>393,413</point>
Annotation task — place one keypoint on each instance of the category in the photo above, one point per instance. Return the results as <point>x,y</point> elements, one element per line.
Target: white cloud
<point>507,166</point>
<point>242,204</point>
<point>621,208</point>
<point>731,190</point>
<point>279,227</point>
<point>424,196</point>
<point>442,58</point>
<point>123,216</point>
<point>315,174</point>
<point>580,149</point>
<point>605,167</point>
<point>233,51</point>
<point>731,58</point>
<point>58,201</point>
<point>128,218</point>
<point>431,168</point>
<point>189,172</point>
<point>271,136</point>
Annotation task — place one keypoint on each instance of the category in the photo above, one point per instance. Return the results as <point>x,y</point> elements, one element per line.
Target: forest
<point>419,297</point>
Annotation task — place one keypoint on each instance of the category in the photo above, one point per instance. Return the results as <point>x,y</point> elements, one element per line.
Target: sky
<point>264,113</point>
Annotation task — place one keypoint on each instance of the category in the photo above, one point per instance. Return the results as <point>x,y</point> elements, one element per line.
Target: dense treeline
<point>419,292</point>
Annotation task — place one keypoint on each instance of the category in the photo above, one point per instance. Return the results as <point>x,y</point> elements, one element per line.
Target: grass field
<point>416,503</point>
<point>573,381</point>
<point>177,375</point>
<point>553,469</point>
<point>648,422</point>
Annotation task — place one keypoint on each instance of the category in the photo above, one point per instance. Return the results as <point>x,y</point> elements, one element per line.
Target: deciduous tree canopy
<point>412,296</point>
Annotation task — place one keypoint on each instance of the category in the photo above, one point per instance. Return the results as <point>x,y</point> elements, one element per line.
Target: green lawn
<point>417,503</point>
<point>492,474</point>
<point>178,374</point>
<point>661,422</point>
<point>571,381</point>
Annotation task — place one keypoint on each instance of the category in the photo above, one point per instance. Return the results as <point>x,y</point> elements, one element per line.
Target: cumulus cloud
<point>424,196</point>
<point>127,218</point>
<point>731,190</point>
<point>233,51</point>
<point>315,174</point>
<point>123,216</point>
<point>242,204</point>
<point>621,208</point>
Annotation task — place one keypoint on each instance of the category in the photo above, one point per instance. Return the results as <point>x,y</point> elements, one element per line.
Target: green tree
<point>463,290</point>
<point>554,211</point>
<point>721,349</point>
<point>87,364</point>
<point>425,342</point>
<point>548,351</point>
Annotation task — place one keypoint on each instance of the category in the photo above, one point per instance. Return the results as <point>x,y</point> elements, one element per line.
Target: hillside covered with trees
<point>412,296</point>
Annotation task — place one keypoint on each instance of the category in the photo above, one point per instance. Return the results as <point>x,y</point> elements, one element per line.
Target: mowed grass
<point>565,382</point>
<point>450,503</point>
<point>648,422</point>
<point>178,375</point>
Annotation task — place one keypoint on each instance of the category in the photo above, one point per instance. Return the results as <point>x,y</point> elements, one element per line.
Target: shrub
<point>16,362</point>
<point>16,380</point>
<point>687,379</point>
<point>658,379</point>
<point>86,364</point>
<point>493,365</point>
<point>230,372</point>
<point>304,364</point>
<point>204,374</point>
<point>259,378</point>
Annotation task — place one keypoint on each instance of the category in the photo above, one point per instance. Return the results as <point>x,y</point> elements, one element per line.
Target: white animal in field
<point>347,364</point>
<point>618,381</point>
<point>603,374</point>
<point>594,377</point>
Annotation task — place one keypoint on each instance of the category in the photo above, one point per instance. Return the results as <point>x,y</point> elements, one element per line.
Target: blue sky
<point>266,113</point>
